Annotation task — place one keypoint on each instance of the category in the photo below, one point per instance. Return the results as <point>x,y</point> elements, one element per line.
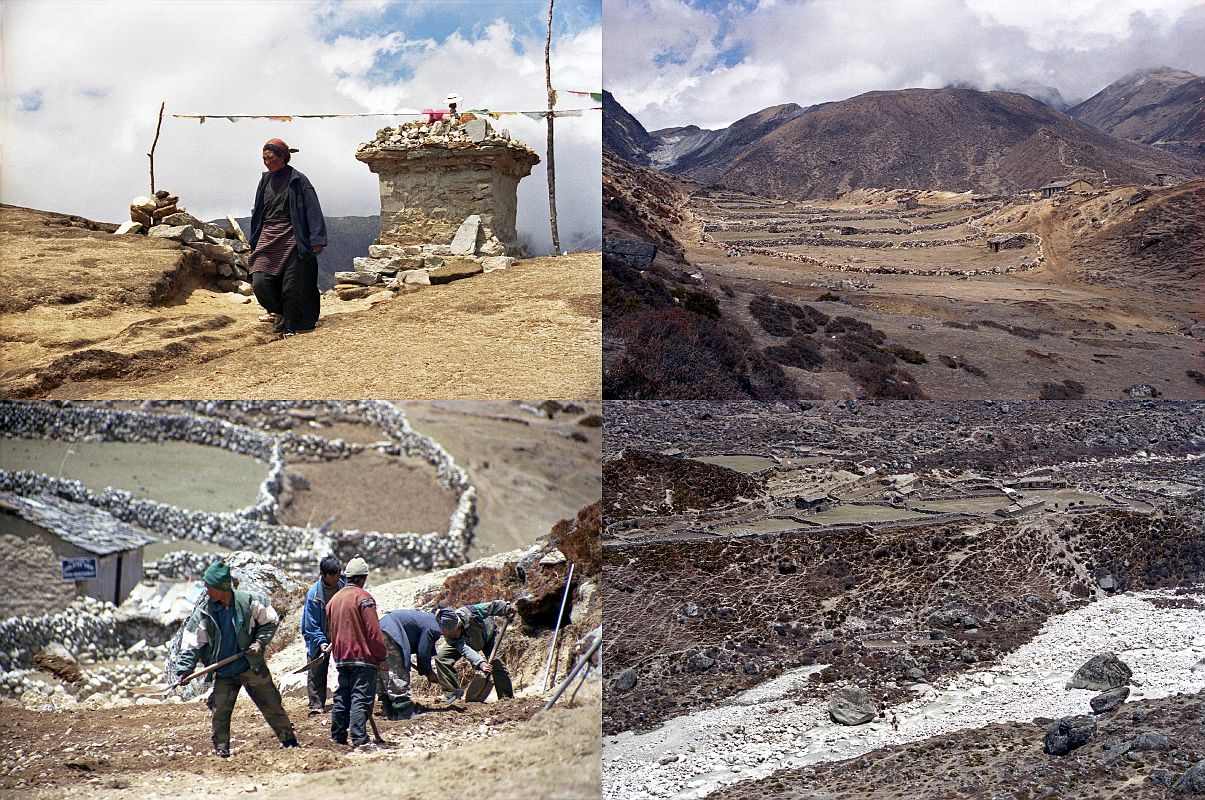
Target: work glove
<point>255,648</point>
<point>486,668</point>
<point>325,646</point>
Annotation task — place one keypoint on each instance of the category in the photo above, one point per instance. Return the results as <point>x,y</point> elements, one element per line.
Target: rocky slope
<point>623,134</point>
<point>710,151</point>
<point>1161,107</point>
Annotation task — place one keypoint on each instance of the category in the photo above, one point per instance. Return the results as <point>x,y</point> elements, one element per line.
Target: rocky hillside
<point>705,161</point>
<point>1160,107</point>
<point>623,134</point>
<point>954,139</point>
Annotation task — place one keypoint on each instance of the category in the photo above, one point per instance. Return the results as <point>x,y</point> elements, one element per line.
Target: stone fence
<point>252,528</point>
<point>722,225</point>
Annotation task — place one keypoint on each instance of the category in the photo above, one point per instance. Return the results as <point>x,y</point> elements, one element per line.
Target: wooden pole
<point>151,155</point>
<point>556,238</point>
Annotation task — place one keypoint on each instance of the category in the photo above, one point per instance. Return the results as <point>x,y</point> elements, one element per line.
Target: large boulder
<point>1068,733</point>
<point>636,254</point>
<point>1193,781</point>
<point>851,706</point>
<point>1107,701</point>
<point>1102,671</point>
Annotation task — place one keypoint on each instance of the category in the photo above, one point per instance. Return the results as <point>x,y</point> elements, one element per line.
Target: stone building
<point>1006,241</point>
<point>47,538</point>
<point>1055,188</point>
<point>442,178</point>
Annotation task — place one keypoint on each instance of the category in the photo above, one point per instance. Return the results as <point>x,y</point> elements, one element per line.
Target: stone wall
<point>29,552</point>
<point>434,176</point>
<point>251,528</point>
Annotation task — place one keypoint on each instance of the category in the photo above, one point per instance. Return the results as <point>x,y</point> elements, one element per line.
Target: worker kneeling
<point>236,625</point>
<point>469,631</point>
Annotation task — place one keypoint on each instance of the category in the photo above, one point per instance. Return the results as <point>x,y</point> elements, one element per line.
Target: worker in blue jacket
<point>313,628</point>
<point>407,633</point>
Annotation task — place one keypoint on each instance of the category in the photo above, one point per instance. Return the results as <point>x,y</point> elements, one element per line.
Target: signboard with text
<point>79,569</point>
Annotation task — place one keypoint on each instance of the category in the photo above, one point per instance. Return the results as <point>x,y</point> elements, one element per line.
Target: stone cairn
<point>223,248</point>
<point>448,202</point>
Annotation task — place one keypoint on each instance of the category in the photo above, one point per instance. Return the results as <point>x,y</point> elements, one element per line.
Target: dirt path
<point>163,750</point>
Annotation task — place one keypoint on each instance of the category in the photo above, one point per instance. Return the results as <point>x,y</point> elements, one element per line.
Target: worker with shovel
<point>470,631</point>
<point>407,633</point>
<point>313,629</point>
<point>236,627</point>
<point>358,648</point>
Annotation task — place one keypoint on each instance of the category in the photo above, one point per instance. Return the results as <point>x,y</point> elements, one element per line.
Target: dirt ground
<point>530,471</point>
<point>1093,313</point>
<point>350,490</point>
<point>91,315</point>
<point>150,751</point>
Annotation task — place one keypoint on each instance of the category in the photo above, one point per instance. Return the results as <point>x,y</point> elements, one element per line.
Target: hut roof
<point>85,527</point>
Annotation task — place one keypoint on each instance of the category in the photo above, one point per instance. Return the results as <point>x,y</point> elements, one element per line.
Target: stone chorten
<point>436,176</point>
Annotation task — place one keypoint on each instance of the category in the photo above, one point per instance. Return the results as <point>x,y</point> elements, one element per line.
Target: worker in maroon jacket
<point>358,649</point>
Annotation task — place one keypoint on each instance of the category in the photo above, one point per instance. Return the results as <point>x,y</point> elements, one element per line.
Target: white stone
<point>237,298</point>
<point>182,218</point>
<point>386,251</point>
<point>497,262</point>
<point>467,237</point>
<point>127,228</point>
<point>146,204</point>
<point>416,276</point>
<point>181,233</point>
<point>491,247</point>
<point>361,278</point>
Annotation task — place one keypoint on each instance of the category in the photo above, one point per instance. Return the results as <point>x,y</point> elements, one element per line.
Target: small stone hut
<point>47,536</point>
<point>1055,188</point>
<point>436,175</point>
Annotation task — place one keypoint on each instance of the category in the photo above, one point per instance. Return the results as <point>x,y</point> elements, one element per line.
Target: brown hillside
<point>1161,107</point>
<point>953,139</point>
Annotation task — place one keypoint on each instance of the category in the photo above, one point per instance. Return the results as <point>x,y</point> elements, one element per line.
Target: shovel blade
<point>479,688</point>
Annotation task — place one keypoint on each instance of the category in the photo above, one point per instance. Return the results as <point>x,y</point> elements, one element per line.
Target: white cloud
<point>101,70</point>
<point>813,52</point>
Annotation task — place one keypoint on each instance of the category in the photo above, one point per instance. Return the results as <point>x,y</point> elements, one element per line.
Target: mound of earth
<point>128,317</point>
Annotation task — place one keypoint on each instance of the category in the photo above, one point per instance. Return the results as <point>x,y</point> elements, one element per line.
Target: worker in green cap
<point>233,623</point>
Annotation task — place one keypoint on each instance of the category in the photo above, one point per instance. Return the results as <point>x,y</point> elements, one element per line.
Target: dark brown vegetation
<point>636,484</point>
<point>679,354</point>
<point>859,347</point>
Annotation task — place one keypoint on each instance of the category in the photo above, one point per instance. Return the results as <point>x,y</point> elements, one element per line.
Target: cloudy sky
<point>711,62</point>
<point>83,82</point>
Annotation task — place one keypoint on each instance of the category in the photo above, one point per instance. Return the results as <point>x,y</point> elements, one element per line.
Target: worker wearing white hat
<point>358,650</point>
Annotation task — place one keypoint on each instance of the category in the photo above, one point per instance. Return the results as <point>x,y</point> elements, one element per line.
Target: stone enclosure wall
<point>251,528</point>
